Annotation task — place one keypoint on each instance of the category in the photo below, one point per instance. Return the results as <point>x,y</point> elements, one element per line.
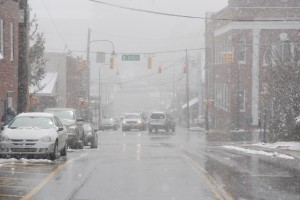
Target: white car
<point>34,134</point>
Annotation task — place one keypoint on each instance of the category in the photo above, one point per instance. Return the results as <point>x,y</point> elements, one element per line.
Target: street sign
<point>131,57</point>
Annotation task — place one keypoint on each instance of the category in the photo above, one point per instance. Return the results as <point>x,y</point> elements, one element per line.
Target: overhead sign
<point>131,57</point>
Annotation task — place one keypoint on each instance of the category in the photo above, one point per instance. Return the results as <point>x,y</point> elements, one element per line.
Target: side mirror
<point>79,120</point>
<point>60,129</point>
<point>2,128</point>
<point>95,130</point>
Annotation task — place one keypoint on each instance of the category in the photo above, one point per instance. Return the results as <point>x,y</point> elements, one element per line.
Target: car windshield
<point>107,121</point>
<point>131,116</point>
<point>87,127</point>
<point>62,114</point>
<point>32,122</point>
<point>157,116</point>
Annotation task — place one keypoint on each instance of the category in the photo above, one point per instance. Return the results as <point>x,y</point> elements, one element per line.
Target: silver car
<point>34,134</point>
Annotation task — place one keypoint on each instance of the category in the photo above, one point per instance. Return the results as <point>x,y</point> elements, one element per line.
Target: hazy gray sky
<point>130,31</point>
<point>66,22</point>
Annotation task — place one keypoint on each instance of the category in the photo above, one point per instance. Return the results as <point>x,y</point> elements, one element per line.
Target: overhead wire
<point>186,16</point>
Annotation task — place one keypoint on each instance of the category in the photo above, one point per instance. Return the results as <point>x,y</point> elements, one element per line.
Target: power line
<point>186,16</point>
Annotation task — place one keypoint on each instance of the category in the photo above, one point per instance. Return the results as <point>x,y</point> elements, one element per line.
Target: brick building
<point>9,28</point>
<point>244,29</point>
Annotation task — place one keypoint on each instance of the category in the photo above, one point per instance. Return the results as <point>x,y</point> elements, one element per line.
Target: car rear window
<point>158,116</point>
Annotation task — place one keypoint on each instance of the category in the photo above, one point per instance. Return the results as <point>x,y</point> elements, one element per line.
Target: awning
<point>191,102</point>
<point>48,83</point>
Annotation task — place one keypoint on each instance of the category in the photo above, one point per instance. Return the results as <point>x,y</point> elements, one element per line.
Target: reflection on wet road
<point>138,165</point>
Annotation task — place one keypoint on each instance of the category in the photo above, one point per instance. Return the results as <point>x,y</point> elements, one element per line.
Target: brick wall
<point>9,14</point>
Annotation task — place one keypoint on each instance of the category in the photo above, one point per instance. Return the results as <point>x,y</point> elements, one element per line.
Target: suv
<point>161,120</point>
<point>133,121</point>
<point>72,121</point>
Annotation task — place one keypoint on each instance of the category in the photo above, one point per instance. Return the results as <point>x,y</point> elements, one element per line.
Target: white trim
<point>258,25</point>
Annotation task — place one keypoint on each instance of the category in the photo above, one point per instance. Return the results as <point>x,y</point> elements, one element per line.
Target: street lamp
<point>88,66</point>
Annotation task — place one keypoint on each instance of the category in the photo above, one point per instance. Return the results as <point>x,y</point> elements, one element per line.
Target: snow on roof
<point>48,82</point>
<point>36,114</point>
<point>191,102</point>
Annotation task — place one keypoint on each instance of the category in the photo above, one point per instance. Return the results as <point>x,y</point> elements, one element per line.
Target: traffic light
<point>112,62</point>
<point>149,62</point>
<point>185,68</point>
<point>159,68</point>
<point>81,65</point>
<point>228,57</point>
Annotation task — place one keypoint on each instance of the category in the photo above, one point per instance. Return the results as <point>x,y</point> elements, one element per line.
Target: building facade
<point>9,23</point>
<point>237,38</point>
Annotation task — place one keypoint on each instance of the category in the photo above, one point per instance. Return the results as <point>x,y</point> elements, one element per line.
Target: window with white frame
<point>1,40</point>
<point>222,96</point>
<point>242,50</point>
<point>11,41</point>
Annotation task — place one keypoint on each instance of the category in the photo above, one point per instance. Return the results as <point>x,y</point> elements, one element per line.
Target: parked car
<point>107,124</point>
<point>133,121</point>
<point>161,120</point>
<point>90,135</point>
<point>73,122</point>
<point>34,134</point>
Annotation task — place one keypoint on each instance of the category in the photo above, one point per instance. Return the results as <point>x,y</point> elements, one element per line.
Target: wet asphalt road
<point>140,166</point>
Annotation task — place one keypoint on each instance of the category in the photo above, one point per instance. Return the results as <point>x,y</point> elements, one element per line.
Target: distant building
<point>64,82</point>
<point>244,29</point>
<point>9,28</point>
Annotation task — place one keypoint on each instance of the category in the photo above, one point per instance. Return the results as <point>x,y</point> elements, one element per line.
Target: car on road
<point>90,135</point>
<point>71,119</point>
<point>161,120</point>
<point>34,134</point>
<point>133,121</point>
<point>108,124</point>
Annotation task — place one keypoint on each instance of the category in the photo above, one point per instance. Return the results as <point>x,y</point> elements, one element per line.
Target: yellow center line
<point>213,184</point>
<point>48,178</point>
<point>13,186</point>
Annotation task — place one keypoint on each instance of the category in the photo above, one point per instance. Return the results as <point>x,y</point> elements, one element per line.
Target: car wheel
<point>64,151</point>
<point>54,155</point>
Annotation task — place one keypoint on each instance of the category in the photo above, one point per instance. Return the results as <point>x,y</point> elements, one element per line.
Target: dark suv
<point>161,120</point>
<point>71,119</point>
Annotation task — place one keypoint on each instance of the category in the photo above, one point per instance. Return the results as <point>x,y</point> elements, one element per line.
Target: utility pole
<point>99,96</point>
<point>23,69</point>
<point>173,95</point>
<point>187,91</point>
<point>88,64</point>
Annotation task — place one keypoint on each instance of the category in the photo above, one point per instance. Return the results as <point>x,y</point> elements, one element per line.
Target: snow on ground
<point>282,145</point>
<point>257,152</point>
<point>23,161</point>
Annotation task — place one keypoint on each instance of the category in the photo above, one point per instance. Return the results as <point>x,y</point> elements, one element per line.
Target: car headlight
<point>124,122</point>
<point>46,139</point>
<point>3,138</point>
<point>139,121</point>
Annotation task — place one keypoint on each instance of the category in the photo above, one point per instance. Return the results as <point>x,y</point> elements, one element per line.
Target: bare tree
<point>282,81</point>
<point>37,61</point>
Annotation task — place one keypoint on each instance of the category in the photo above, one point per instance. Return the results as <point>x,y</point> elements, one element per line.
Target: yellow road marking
<point>10,195</point>
<point>12,186</point>
<point>213,184</point>
<point>43,182</point>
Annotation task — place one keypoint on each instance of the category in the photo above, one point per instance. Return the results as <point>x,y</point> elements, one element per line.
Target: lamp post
<point>88,66</point>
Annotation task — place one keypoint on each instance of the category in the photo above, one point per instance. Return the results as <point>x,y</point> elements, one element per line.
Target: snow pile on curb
<point>283,145</point>
<point>257,152</point>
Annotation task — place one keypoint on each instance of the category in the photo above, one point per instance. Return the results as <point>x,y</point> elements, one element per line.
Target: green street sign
<point>131,57</point>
